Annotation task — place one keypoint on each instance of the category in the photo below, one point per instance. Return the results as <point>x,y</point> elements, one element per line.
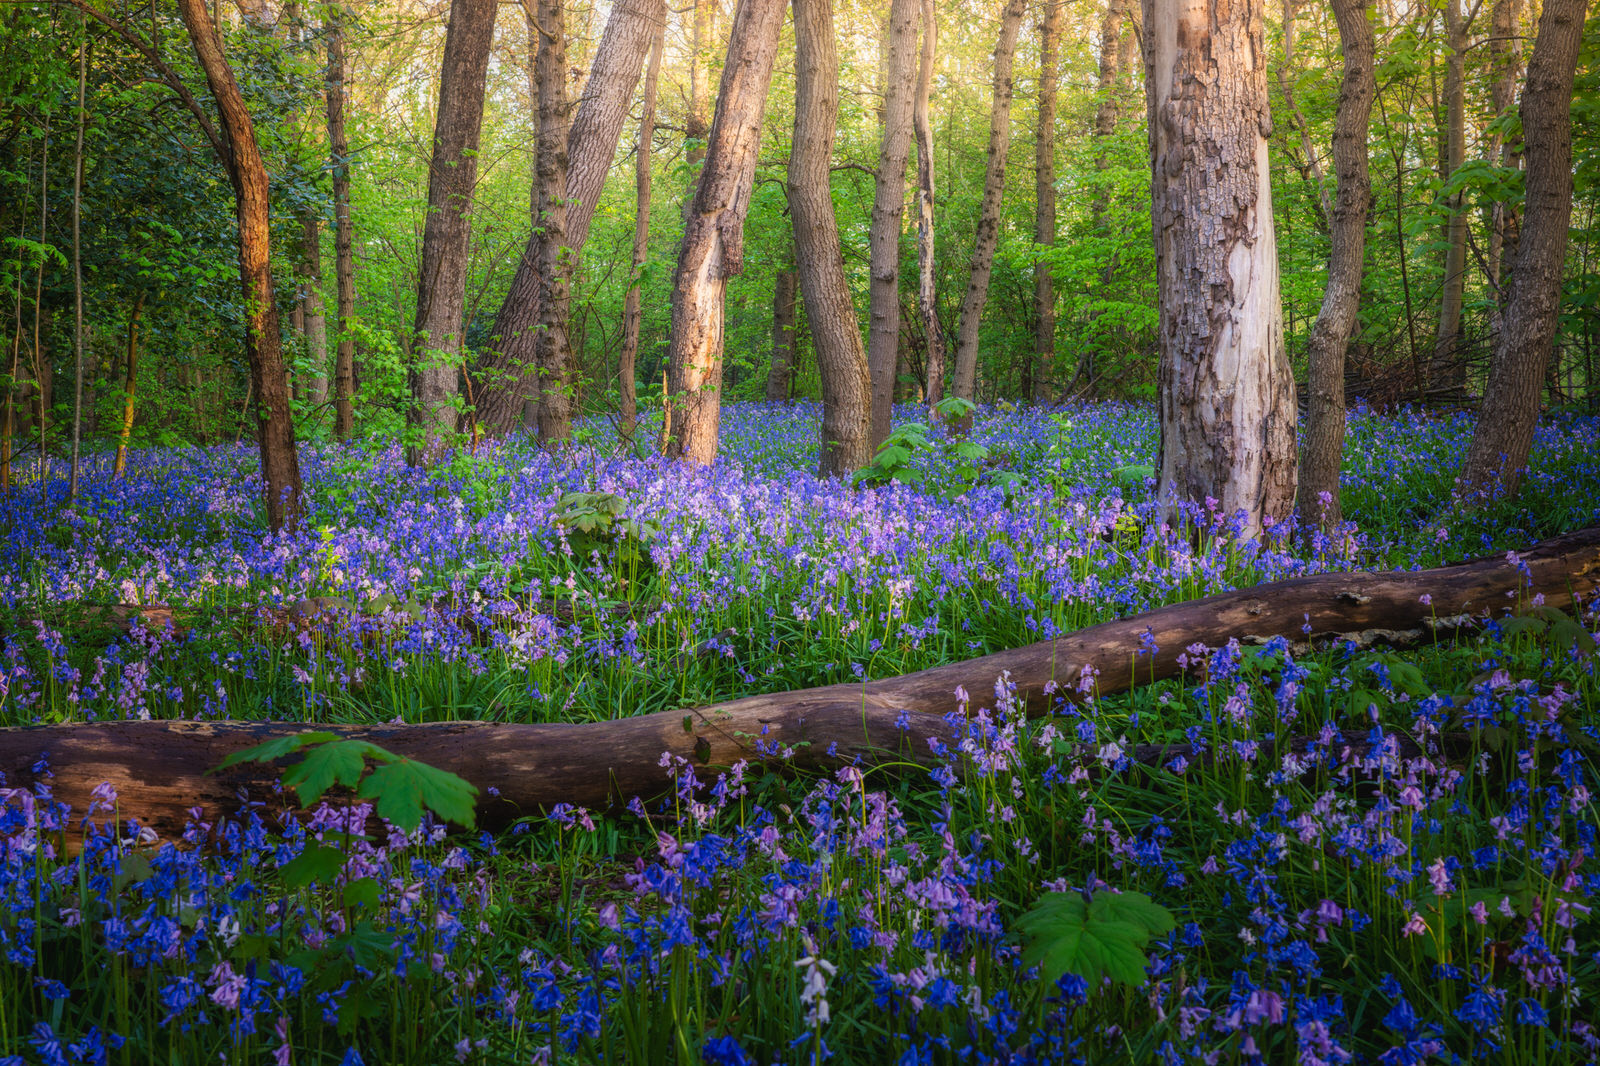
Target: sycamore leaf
<point>272,750</point>
<point>404,788</point>
<point>337,763</point>
<point>1097,938</point>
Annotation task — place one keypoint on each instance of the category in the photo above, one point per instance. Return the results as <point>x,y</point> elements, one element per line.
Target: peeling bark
<point>1227,402</point>
<point>927,303</point>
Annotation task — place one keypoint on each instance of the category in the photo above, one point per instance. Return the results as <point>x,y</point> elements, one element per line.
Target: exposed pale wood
<point>1226,392</point>
<point>158,768</point>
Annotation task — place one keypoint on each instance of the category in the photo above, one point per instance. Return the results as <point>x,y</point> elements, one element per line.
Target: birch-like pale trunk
<point>1227,404</point>
<point>628,358</point>
<point>922,125</point>
<point>888,207</point>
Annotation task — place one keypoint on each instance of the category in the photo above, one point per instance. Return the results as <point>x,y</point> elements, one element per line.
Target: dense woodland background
<point>164,317</point>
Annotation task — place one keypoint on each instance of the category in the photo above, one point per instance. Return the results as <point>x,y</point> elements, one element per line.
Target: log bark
<point>159,768</point>
<point>452,177</point>
<point>1322,456</point>
<point>280,462</point>
<point>888,207</point>
<point>712,250</point>
<point>1510,411</point>
<point>841,359</point>
<point>987,235</point>
<point>1226,392</point>
<point>628,359</point>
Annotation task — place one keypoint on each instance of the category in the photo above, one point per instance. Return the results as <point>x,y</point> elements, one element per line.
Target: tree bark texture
<point>841,358</point>
<point>446,236</point>
<point>888,208</point>
<point>344,267</point>
<point>1446,367</point>
<point>922,125</point>
<point>552,350</point>
<point>315,328</point>
<point>1322,453</point>
<point>1505,63</point>
<point>1510,412</point>
<point>781,375</point>
<point>994,185</point>
<point>1044,198</point>
<point>506,376</point>
<point>1227,403</point>
<point>628,359</point>
<point>280,463</point>
<point>130,384</point>
<point>159,768</point>
<point>713,239</point>
<point>697,123</point>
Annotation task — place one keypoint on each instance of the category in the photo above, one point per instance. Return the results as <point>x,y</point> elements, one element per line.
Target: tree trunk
<point>1114,31</point>
<point>627,361</point>
<point>922,124</point>
<point>1226,394</point>
<point>781,375</point>
<point>280,465</point>
<point>713,241</point>
<point>446,236</point>
<point>129,387</point>
<point>1323,454</point>
<point>310,303</point>
<point>77,269</point>
<point>1446,365</point>
<point>552,348</point>
<point>888,206</point>
<point>697,122</point>
<point>1044,186</point>
<point>344,375</point>
<point>1505,61</point>
<point>505,375</point>
<point>1286,86</point>
<point>994,185</point>
<point>1510,412</point>
<point>160,768</point>
<point>841,359</point>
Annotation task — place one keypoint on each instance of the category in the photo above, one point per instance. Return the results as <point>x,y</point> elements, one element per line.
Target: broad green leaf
<point>405,787</point>
<point>318,863</point>
<point>272,750</point>
<point>337,763</point>
<point>1104,937</point>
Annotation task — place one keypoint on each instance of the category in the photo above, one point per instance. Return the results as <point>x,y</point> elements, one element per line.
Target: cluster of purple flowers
<point>1369,858</point>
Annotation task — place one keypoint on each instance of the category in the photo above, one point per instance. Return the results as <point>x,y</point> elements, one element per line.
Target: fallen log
<point>159,768</point>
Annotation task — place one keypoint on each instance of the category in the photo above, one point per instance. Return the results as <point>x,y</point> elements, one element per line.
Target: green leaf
<point>362,892</point>
<point>1103,937</point>
<point>336,763</point>
<point>317,863</point>
<point>272,750</point>
<point>405,787</point>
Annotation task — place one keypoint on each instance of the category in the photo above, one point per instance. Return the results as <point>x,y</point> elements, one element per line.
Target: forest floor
<point>1260,904</point>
